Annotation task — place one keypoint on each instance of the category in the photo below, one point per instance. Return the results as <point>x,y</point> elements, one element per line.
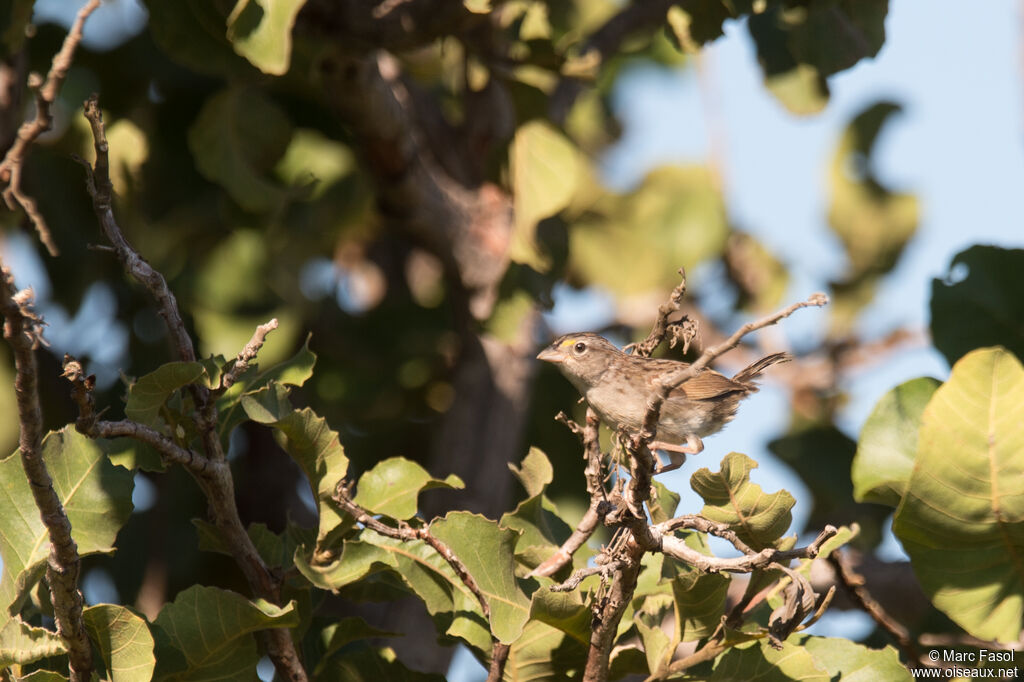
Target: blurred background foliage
<point>409,186</point>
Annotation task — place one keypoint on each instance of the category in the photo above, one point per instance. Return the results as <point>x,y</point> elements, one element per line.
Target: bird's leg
<point>676,453</point>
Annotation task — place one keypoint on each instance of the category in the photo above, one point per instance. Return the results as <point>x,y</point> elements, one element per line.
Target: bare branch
<point>661,323</point>
<point>46,94</point>
<point>855,586</point>
<point>677,549</point>
<point>247,355</point>
<point>23,331</point>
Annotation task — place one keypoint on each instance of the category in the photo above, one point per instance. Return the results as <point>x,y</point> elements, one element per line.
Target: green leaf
<point>149,394</point>
<point>888,443</point>
<point>698,597</point>
<point>541,532</point>
<point>276,550</point>
<point>729,497</point>
<point>356,561</point>
<point>680,209</point>
<point>124,642</point>
<point>239,136</point>
<point>267,405</point>
<point>545,653</point>
<point>261,31</point>
<point>315,447</point>
<point>565,611</point>
<point>97,497</point>
<point>663,504</point>
<point>487,552</point>
<point>43,676</point>
<point>392,487</point>
<point>455,610</point>
<point>545,167</point>
<point>536,472</point>
<point>849,661</point>
<point>979,303</point>
<point>658,648</point>
<point>962,515</point>
<point>758,662</point>
<point>20,643</point>
<point>351,629</point>
<point>212,629</point>
<point>873,223</point>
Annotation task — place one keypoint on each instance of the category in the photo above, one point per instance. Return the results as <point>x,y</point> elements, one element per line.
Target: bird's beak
<point>551,354</point>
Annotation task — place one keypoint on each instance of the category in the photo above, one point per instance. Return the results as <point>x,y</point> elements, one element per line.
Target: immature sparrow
<point>617,386</point>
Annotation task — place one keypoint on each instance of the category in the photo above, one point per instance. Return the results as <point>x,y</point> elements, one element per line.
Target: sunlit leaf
<point>759,519</point>
<point>758,662</point>
<point>124,642</point>
<point>962,515</point>
<point>846,660</point>
<point>21,643</point>
<point>888,443</point>
<point>261,31</point>
<point>355,561</point>
<point>392,487</point>
<point>96,495</point>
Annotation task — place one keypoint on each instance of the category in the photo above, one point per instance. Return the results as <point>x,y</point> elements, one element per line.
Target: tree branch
<point>23,331</point>
<point>210,470</point>
<point>46,94</point>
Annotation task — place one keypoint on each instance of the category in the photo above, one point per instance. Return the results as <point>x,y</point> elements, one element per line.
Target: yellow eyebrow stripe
<point>567,342</point>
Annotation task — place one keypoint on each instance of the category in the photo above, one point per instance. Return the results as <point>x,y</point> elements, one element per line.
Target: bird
<point>617,386</point>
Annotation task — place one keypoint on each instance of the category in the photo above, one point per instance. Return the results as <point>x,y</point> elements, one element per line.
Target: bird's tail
<point>753,371</point>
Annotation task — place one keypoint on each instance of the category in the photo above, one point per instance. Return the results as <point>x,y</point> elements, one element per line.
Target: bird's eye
<point>579,348</point>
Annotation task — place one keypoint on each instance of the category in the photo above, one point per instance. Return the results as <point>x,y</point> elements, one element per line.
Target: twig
<point>246,356</point>
<point>676,548</point>
<point>661,323</point>
<point>23,331</point>
<point>854,584</point>
<point>210,470</point>
<point>406,533</point>
<point>592,473</point>
<point>46,94</point>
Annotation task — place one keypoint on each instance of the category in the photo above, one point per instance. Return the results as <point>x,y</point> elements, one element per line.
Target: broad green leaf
<point>131,454</point>
<point>729,497</point>
<point>355,562</point>
<point>873,223</point>
<point>315,161</point>
<point>678,209</point>
<point>315,447</point>
<point>212,629</point>
<point>237,138</point>
<point>261,31</point>
<point>268,404</point>
<point>21,643</point>
<point>545,653</point>
<point>888,443</point>
<point>758,662</point>
<point>487,552</point>
<point>852,662</point>
<point>545,166</point>
<point>97,497</point>
<point>541,532</point>
<point>536,472</point>
<point>370,664</point>
<point>663,504</point>
<point>149,393</point>
<point>43,676</point>
<point>979,303</point>
<point>124,642</point>
<point>565,611</point>
<point>392,487</point>
<point>350,629</point>
<point>698,597</point>
<point>962,515</point>
<point>658,647</point>
<point>455,610</point>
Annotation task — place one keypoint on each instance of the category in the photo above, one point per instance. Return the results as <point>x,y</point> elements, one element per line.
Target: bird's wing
<point>706,385</point>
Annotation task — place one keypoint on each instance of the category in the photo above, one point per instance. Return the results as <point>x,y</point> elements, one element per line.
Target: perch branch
<point>247,355</point>
<point>23,331</point>
<point>46,94</point>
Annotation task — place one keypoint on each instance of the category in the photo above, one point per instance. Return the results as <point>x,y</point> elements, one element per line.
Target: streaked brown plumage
<point>617,386</point>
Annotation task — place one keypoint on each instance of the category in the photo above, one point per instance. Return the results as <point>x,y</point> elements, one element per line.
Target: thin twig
<point>23,331</point>
<point>46,94</point>
<point>246,356</point>
<point>661,323</point>
<point>854,584</point>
